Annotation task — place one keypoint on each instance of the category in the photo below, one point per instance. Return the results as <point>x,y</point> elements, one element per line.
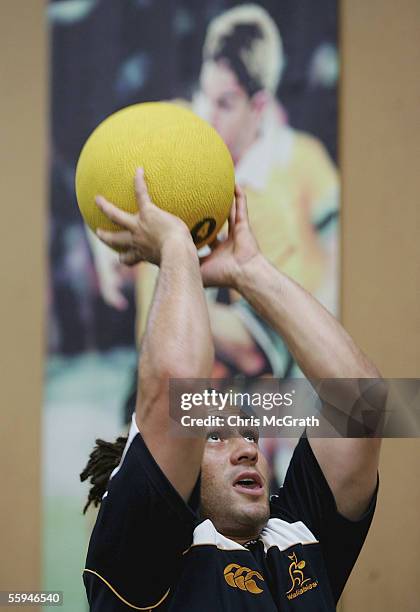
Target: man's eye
<point>214,436</point>
<point>252,436</point>
<point>224,105</point>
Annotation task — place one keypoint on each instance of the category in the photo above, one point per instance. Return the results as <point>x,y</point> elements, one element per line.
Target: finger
<point>130,258</point>
<point>115,214</point>
<point>208,279</point>
<point>115,298</point>
<point>215,243</point>
<point>140,187</point>
<point>115,239</point>
<point>213,246</point>
<point>206,275</point>
<point>204,258</point>
<point>232,218</point>
<point>128,275</point>
<point>241,206</point>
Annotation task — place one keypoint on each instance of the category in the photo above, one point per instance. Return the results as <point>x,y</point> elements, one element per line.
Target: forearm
<point>146,278</point>
<point>177,344</point>
<point>323,350</point>
<point>321,346</point>
<point>177,341</point>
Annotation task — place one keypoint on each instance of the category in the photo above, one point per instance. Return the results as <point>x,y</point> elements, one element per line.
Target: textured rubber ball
<point>188,168</point>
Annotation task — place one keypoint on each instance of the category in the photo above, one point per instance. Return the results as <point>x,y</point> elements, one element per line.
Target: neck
<point>246,144</point>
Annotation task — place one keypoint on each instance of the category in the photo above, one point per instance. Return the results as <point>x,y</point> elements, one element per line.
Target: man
<point>166,539</point>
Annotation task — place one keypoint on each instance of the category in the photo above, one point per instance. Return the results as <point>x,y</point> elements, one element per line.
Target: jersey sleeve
<point>307,497</point>
<point>143,528</point>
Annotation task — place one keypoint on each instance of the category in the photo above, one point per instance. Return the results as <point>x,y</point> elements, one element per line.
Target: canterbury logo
<point>242,578</point>
<point>299,582</point>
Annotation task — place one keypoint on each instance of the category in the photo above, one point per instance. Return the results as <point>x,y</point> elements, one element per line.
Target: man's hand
<point>111,281</point>
<point>224,266</point>
<point>111,274</point>
<point>145,233</point>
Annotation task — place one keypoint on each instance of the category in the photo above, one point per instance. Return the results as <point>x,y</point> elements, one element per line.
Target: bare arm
<point>146,278</point>
<point>177,342</point>
<point>322,349</point>
<point>320,345</point>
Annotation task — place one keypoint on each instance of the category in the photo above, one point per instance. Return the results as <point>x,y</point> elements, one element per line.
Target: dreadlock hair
<point>102,460</point>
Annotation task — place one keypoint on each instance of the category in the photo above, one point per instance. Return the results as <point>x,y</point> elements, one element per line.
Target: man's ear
<point>259,101</point>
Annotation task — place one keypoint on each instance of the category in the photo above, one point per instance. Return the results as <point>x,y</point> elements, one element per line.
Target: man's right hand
<point>145,233</point>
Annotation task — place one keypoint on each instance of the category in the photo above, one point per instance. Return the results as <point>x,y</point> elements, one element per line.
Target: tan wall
<point>23,115</point>
<point>380,150</point>
<point>380,138</point>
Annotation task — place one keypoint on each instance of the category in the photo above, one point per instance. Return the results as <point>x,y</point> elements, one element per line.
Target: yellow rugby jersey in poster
<point>292,192</point>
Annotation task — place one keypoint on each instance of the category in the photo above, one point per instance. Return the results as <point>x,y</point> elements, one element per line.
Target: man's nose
<point>243,451</point>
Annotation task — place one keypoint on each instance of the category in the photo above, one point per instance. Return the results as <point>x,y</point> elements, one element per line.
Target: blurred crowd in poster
<point>265,76</point>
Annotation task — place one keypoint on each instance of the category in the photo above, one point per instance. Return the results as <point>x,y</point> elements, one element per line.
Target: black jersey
<point>149,550</point>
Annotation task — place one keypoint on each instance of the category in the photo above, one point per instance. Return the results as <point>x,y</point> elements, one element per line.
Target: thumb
<point>130,258</point>
<point>204,259</point>
<point>216,242</point>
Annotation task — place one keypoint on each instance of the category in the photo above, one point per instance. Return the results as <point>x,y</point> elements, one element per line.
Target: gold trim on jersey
<point>127,603</point>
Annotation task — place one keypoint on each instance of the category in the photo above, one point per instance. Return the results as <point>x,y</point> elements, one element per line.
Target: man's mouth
<point>249,483</point>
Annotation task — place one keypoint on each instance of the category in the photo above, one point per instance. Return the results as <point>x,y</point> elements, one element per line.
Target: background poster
<point>266,76</point>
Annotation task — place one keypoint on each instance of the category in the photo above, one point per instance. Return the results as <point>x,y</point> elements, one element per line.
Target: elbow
<point>370,370</point>
<point>363,366</point>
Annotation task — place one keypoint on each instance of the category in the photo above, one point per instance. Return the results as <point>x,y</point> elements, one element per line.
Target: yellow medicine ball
<point>188,168</point>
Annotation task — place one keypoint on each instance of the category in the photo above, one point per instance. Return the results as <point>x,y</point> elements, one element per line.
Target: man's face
<point>227,107</point>
<point>235,484</point>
